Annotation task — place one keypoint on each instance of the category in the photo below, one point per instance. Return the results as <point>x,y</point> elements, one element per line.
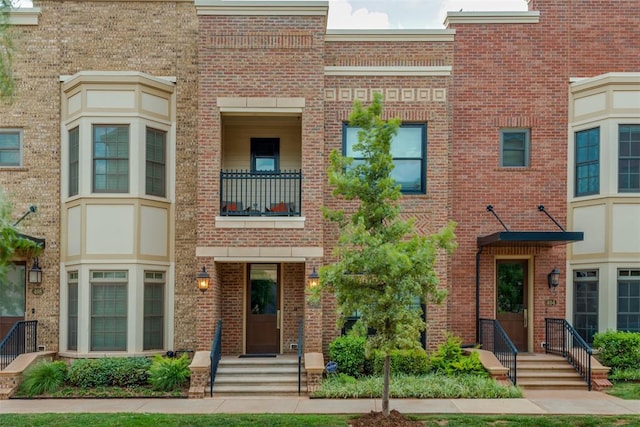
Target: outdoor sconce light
<point>203,279</point>
<point>553,278</point>
<point>35,274</point>
<point>314,279</point>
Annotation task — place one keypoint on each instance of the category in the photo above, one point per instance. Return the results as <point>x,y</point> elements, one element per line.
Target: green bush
<point>109,372</point>
<point>349,353</point>
<point>409,362</point>
<point>631,374</point>
<point>450,360</point>
<point>45,377</point>
<point>167,373</point>
<point>618,349</point>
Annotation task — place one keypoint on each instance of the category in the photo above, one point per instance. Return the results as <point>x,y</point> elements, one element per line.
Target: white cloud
<point>343,16</point>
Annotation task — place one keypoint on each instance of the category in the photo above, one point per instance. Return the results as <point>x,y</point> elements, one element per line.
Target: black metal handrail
<point>300,352</point>
<point>215,355</point>
<point>22,338</point>
<point>243,193</point>
<point>562,339</point>
<point>494,339</point>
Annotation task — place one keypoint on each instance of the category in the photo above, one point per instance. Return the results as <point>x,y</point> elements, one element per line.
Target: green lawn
<point>624,390</point>
<point>122,420</point>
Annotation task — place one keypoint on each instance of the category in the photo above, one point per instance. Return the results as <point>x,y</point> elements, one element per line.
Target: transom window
<point>629,300</point>
<point>514,148</point>
<point>408,149</point>
<point>587,162</point>
<point>585,303</point>
<point>110,158</point>
<point>10,147</point>
<point>629,158</point>
<point>156,162</point>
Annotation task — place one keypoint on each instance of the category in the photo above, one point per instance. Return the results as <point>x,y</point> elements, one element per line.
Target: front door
<point>511,281</point>
<point>263,309</point>
<point>12,297</point>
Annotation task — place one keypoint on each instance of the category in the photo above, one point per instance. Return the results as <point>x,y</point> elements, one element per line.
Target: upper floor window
<point>629,158</point>
<point>514,148</point>
<point>10,147</point>
<point>409,152</point>
<point>74,159</point>
<point>110,158</point>
<point>587,175</point>
<point>156,141</point>
<point>265,155</point>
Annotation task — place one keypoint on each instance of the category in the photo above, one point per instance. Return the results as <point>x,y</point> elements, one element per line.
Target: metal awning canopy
<point>530,238</point>
<point>36,240</point>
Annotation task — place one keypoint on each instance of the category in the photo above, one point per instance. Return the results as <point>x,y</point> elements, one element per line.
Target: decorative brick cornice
<point>530,17</point>
<point>390,94</point>
<point>444,70</point>
<point>254,8</point>
<point>390,35</point>
<point>262,41</point>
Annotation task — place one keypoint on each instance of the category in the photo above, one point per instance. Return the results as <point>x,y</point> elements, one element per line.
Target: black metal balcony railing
<point>243,193</point>
<point>22,338</point>
<point>563,340</point>
<point>494,339</point>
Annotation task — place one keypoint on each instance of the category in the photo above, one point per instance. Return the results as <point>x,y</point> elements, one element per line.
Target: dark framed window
<point>111,158</point>
<point>265,155</point>
<point>72,318</point>
<point>155,172</point>
<point>409,152</point>
<point>585,303</point>
<point>629,300</point>
<point>629,158</point>
<point>74,161</point>
<point>10,147</point>
<point>587,162</point>
<point>514,148</point>
<point>153,326</point>
<point>108,311</point>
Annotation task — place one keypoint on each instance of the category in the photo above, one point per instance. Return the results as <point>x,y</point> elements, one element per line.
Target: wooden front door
<point>512,304</point>
<point>263,309</point>
<point>12,297</point>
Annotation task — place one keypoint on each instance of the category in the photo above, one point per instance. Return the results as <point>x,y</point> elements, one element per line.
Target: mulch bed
<point>376,419</point>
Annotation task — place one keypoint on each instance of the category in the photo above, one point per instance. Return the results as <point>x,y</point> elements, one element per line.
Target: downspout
<point>478,294</point>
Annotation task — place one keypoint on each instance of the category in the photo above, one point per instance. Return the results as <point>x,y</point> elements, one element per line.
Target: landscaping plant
<point>43,378</point>
<point>169,373</point>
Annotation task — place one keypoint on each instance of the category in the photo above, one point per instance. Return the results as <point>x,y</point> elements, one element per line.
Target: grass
<point>624,390</point>
<point>269,420</point>
<point>419,387</point>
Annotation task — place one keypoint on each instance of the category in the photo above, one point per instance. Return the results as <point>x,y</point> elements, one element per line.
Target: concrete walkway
<point>565,402</point>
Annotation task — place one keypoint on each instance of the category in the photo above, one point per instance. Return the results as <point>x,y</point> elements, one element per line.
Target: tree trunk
<point>385,386</point>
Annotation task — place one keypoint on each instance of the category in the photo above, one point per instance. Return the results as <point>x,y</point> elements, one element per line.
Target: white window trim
<point>20,148</point>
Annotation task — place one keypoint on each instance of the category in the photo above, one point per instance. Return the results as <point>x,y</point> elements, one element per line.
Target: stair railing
<point>300,352</point>
<point>562,339</point>
<point>22,338</point>
<point>493,338</point>
<point>215,355</point>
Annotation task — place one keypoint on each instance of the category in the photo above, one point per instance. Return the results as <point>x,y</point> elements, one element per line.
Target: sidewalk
<point>565,402</point>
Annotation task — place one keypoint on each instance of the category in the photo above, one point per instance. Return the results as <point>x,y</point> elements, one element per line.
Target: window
<point>156,162</point>
<point>408,149</point>
<point>72,321</point>
<point>74,158</point>
<point>629,158</point>
<point>588,162</point>
<point>153,328</point>
<point>629,300</point>
<point>10,147</point>
<point>108,310</point>
<point>585,303</point>
<point>110,159</point>
<point>514,148</point>
<point>265,155</point>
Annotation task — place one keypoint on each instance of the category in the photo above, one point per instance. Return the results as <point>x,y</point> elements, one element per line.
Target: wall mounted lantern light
<point>203,279</point>
<point>314,279</point>
<point>35,274</point>
<point>553,278</point>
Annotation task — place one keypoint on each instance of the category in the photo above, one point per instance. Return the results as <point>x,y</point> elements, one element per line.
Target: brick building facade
<point>161,137</point>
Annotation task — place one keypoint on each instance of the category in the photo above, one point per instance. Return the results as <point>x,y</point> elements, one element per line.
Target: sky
<point>398,14</point>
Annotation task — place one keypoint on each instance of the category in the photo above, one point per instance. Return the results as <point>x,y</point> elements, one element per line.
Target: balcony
<point>246,193</point>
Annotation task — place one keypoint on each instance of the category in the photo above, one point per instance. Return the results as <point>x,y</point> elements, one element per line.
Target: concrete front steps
<point>259,376</point>
<point>547,372</point>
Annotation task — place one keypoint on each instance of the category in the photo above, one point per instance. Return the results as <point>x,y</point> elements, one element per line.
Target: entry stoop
<point>547,372</point>
<point>259,376</point>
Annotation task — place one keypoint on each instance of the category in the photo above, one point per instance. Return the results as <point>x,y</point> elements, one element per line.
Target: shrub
<point>631,374</point>
<point>109,372</point>
<point>409,362</point>
<point>45,377</point>
<point>168,373</point>
<point>449,359</point>
<point>618,349</point>
<point>349,353</point>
